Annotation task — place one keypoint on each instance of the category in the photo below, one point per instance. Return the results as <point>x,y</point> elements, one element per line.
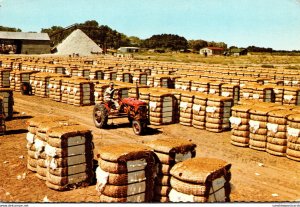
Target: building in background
<point>24,43</point>
<point>128,49</point>
<point>207,51</point>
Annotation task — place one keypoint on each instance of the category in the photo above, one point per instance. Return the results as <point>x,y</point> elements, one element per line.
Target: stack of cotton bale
<point>201,180</point>
<point>144,94</point>
<point>43,86</point>
<point>183,84</point>
<point>8,102</point>
<point>96,74</point>
<point>125,173</point>
<point>34,145</point>
<point>110,75</point>
<point>215,87</point>
<point>65,89</point>
<point>161,81</point>
<point>55,89</point>
<point>291,96</point>
<point>293,136</point>
<point>201,85</point>
<point>199,110</point>
<point>278,94</point>
<point>277,131</point>
<point>140,78</point>
<point>69,151</point>
<point>133,92</point>
<point>4,78</point>
<point>161,108</point>
<point>41,140</point>
<point>150,81</point>
<point>99,91</point>
<point>124,76</point>
<point>263,93</point>
<point>176,103</point>
<point>240,125</point>
<point>218,112</point>
<point>121,92</point>
<point>169,152</point>
<point>232,91</point>
<point>186,108</point>
<point>12,80</point>
<point>22,77</point>
<point>258,127</point>
<point>81,92</point>
<point>84,72</point>
<point>247,90</point>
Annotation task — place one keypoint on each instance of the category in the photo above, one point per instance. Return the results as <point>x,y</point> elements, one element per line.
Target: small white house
<point>207,51</point>
<point>128,49</point>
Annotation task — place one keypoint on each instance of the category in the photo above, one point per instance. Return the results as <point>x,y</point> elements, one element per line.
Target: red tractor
<point>134,109</point>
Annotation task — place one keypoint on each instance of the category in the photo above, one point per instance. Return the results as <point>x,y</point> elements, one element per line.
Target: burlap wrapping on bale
<point>198,189</point>
<point>124,153</point>
<point>43,127</point>
<point>34,122</point>
<point>200,170</point>
<point>124,179</point>
<point>70,170</point>
<point>161,199</point>
<point>69,131</point>
<point>31,164</point>
<point>34,155</point>
<point>293,154</point>
<point>86,148</point>
<point>162,190</point>
<point>277,141</point>
<point>122,191</point>
<point>138,198</point>
<point>73,160</point>
<point>163,179</point>
<point>75,179</point>
<point>63,143</point>
<point>276,148</point>
<point>165,145</point>
<point>41,172</point>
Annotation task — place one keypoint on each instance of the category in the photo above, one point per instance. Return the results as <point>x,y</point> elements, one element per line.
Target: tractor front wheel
<point>137,127</point>
<point>100,116</point>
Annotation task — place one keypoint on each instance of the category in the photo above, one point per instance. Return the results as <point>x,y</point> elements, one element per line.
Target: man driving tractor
<point>109,95</point>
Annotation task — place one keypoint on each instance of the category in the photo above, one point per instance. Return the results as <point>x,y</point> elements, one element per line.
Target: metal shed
<point>24,43</point>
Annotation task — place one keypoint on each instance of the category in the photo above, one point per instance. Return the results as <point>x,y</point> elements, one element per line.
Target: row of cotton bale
<point>289,76</point>
<point>162,170</point>
<point>60,152</point>
<point>267,127</point>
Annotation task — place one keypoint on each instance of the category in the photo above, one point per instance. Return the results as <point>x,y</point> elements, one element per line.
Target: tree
<point>166,41</point>
<point>10,29</point>
<point>135,41</point>
<point>196,45</point>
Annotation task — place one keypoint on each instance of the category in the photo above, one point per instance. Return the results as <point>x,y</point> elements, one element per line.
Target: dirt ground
<point>277,180</point>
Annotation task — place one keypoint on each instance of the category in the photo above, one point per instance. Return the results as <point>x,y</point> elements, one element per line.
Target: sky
<point>242,23</point>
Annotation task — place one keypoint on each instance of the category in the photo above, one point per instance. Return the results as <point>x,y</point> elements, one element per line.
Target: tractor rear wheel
<point>100,116</point>
<point>137,127</point>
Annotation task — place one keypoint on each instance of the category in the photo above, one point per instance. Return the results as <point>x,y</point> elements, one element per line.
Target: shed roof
<point>24,36</point>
